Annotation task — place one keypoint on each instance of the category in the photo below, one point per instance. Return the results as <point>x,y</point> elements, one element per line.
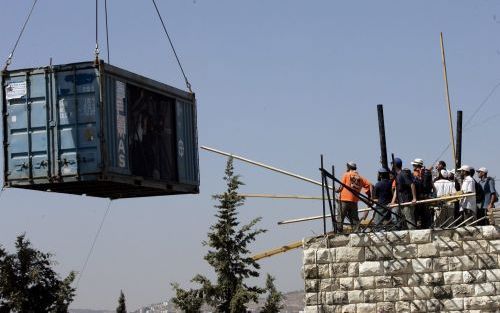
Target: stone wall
<point>404,271</point>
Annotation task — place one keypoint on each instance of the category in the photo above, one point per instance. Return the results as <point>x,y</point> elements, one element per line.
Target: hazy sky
<point>277,81</point>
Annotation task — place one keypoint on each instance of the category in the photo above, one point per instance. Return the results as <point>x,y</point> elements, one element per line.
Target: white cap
<point>418,162</point>
<point>445,174</point>
<point>483,169</point>
<point>352,164</point>
<point>466,168</point>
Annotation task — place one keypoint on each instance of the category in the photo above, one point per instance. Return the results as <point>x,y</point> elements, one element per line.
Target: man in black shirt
<point>382,193</point>
<point>405,191</point>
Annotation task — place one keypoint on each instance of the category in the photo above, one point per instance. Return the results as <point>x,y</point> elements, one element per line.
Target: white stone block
<point>309,256</point>
<point>427,250</point>
<point>462,290</point>
<point>420,236</point>
<point>405,251</point>
<point>495,246</point>
<point>418,306</point>
<point>374,295</point>
<point>440,264</point>
<point>385,307</point>
<point>391,294</point>
<point>378,253</point>
<point>312,309</point>
<point>403,307</point>
<point>363,283</point>
<point>462,263</point>
<point>324,256</point>
<point>346,283</point>
<point>484,289</point>
<point>422,265</point>
<point>487,303</point>
<point>492,275</point>
<point>359,240</point>
<point>406,293</point>
<point>475,247</point>
<point>422,292</point>
<point>349,308</point>
<point>371,268</point>
<point>474,276</point>
<point>452,278</point>
<point>349,254</point>
<point>397,267</point>
<point>455,304</point>
<point>398,237</point>
<point>366,307</point>
<point>355,296</point>
<point>491,232</point>
<point>353,269</point>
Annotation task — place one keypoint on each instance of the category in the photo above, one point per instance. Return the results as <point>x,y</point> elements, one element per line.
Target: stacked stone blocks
<point>404,271</point>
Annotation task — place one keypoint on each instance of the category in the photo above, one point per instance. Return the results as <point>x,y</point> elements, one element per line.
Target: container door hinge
<point>52,124</point>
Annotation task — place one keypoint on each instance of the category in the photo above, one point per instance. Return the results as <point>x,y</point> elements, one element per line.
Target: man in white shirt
<point>468,204</point>
<point>443,187</point>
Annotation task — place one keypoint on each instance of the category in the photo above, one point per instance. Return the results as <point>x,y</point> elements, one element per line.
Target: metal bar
<point>323,195</point>
<point>263,165</point>
<point>381,130</point>
<point>452,223</point>
<point>335,226</point>
<point>331,202</point>
<point>477,221</point>
<point>285,248</point>
<point>471,217</point>
<point>29,132</point>
<point>447,93</point>
<point>446,221</point>
<point>458,157</point>
<point>6,157</point>
<point>272,196</point>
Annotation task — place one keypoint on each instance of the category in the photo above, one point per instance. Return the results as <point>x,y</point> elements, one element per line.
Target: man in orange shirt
<point>349,200</point>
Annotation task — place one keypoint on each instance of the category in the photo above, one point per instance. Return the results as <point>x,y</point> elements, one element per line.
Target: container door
<point>27,131</point>
<point>187,144</point>
<point>77,122</point>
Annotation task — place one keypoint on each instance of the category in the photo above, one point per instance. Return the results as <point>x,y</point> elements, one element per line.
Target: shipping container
<point>96,129</point>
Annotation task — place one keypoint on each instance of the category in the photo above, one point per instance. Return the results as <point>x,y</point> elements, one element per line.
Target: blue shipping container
<point>99,130</point>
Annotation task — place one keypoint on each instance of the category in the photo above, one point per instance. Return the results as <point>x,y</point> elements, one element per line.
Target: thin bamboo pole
<point>447,93</point>
<point>447,199</point>
<point>272,168</point>
<point>271,196</point>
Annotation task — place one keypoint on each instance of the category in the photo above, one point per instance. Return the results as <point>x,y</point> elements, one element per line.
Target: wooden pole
<point>275,169</point>
<point>447,198</point>
<point>447,93</point>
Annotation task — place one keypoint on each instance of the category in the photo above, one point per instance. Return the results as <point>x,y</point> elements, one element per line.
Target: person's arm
<point>414,193</point>
<point>344,181</point>
<point>493,197</point>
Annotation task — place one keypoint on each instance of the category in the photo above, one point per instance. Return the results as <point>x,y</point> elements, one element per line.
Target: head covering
<point>466,168</point>
<point>419,162</point>
<point>352,165</point>
<point>398,162</point>
<point>445,174</point>
<point>483,169</point>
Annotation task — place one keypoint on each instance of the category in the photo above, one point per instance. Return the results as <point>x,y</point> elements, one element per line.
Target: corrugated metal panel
<point>187,145</point>
<point>141,142</point>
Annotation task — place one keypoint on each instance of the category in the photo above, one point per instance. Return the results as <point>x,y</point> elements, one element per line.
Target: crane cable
<point>96,50</point>
<point>11,55</point>
<point>107,31</point>
<point>80,274</point>
<point>470,119</point>
<point>188,85</point>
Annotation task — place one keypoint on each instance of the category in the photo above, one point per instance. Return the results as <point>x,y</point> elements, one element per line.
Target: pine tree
<point>29,284</point>
<point>274,297</point>
<point>122,308</point>
<point>189,301</point>
<point>228,253</point>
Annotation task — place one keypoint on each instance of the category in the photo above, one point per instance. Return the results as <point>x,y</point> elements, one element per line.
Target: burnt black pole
<point>458,156</point>
<point>381,130</point>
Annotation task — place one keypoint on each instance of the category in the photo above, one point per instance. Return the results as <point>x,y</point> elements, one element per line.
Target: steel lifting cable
<point>93,245</point>
<point>107,31</point>
<point>11,55</point>
<point>96,50</point>
<point>188,85</point>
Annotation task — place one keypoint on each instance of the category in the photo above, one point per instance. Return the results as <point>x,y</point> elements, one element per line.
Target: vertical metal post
<point>381,130</point>
<point>323,193</point>
<point>4,128</point>
<point>334,206</point>
<point>458,157</point>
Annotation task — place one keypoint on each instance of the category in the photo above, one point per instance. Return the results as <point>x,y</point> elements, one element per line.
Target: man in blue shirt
<point>490,194</point>
<point>382,193</point>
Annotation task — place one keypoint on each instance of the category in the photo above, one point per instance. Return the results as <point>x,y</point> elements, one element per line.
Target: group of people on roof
<point>397,197</point>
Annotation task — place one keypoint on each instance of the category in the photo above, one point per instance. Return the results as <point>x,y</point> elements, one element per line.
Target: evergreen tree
<point>274,297</point>
<point>189,301</point>
<point>29,284</point>
<point>228,253</point>
<point>122,308</point>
